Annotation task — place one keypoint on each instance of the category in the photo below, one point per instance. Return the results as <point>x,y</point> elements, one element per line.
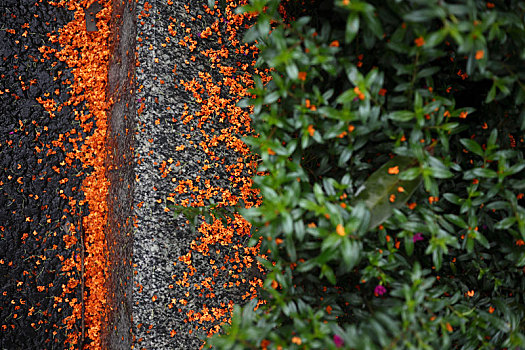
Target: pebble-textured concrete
<point>159,238</point>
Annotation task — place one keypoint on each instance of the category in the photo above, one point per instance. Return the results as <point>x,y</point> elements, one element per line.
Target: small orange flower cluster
<point>88,54</point>
<point>215,116</point>
<point>359,94</point>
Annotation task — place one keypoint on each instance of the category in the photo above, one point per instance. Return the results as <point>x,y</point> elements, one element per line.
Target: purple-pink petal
<point>338,341</point>
<point>417,237</point>
<point>379,290</point>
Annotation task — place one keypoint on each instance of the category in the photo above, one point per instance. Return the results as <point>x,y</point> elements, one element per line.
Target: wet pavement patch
<point>39,184</point>
<point>91,16</point>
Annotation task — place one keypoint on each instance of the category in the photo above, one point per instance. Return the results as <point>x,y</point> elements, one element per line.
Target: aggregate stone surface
<point>159,237</point>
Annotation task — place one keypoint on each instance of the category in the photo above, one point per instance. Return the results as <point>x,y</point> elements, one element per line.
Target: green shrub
<point>391,135</point>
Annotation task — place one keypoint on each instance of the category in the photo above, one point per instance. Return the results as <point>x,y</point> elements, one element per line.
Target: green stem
<point>413,80</point>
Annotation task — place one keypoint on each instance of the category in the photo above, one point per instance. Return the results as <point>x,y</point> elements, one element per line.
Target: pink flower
<point>379,290</point>
<point>338,341</point>
<point>417,237</point>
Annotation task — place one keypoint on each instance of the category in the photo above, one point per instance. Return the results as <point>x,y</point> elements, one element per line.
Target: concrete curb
<point>120,172</point>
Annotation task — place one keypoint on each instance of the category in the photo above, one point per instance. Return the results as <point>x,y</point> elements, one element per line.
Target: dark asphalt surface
<point>37,185</point>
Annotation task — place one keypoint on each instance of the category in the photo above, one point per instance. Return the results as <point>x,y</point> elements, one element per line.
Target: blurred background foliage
<point>391,138</point>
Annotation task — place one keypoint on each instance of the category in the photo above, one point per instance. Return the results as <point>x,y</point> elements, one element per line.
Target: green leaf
<point>346,96</point>
<point>373,24</point>
<point>402,116</point>
<point>331,242</point>
<point>360,219</point>
<point>483,240</point>
<point>424,15</point>
<point>435,38</point>
<point>345,156</point>
<point>287,223</point>
<point>491,143</point>
<point>484,172</point>
<point>440,173</point>
<point>472,146</point>
<point>290,248</point>
<point>310,205</point>
<point>521,220</point>
<point>271,97</point>
<point>251,35</point>
<point>410,174</point>
<point>299,230</point>
<point>516,168</point>
<point>426,72</point>
<point>236,320</point>
<point>319,194</point>
<point>353,75</point>
<point>505,223</point>
<point>245,102</point>
<point>479,172</point>
<point>456,220</point>
<point>350,251</point>
<point>307,265</point>
<point>327,272</point>
<point>409,245</point>
<point>292,71</point>
<point>452,198</point>
<point>492,94</point>
<point>384,185</point>
<point>352,27</point>
<point>437,258</point>
<point>498,205</point>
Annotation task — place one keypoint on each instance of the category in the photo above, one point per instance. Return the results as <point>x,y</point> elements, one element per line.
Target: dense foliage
<point>391,138</point>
